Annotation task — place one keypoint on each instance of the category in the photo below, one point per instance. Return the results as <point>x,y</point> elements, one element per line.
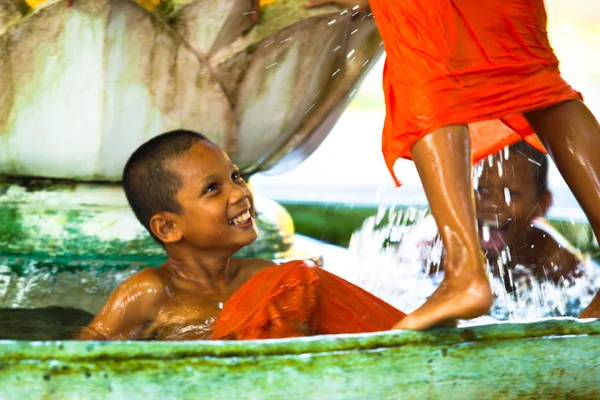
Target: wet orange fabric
<point>461,62</point>
<point>298,299</point>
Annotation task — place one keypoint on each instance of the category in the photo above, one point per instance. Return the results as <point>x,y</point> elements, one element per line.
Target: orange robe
<point>297,299</point>
<point>465,62</point>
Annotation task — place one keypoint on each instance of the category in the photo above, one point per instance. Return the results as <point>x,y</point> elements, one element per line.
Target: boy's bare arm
<point>129,308</point>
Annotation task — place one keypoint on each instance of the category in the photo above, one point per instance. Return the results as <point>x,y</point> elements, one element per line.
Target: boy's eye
<point>236,175</point>
<point>210,188</point>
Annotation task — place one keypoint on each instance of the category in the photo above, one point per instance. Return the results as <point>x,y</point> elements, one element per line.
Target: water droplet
<point>485,233</point>
<point>507,197</point>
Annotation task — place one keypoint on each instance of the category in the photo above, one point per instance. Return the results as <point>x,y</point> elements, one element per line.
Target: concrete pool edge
<point>554,358</point>
<point>90,350</point>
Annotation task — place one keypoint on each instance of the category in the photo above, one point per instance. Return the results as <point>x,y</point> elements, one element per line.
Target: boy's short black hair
<point>150,187</point>
<point>539,163</point>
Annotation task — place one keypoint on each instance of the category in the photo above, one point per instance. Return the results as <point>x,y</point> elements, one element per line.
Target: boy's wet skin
<point>512,194</point>
<point>181,298</point>
<point>191,198</point>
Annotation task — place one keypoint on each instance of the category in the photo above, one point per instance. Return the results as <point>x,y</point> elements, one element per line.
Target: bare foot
<point>593,310</point>
<point>456,298</point>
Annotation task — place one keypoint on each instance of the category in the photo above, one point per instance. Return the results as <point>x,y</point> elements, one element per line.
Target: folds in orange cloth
<point>298,299</point>
<point>465,62</point>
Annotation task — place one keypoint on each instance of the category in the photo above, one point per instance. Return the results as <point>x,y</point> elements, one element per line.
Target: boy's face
<point>507,202</point>
<point>217,203</point>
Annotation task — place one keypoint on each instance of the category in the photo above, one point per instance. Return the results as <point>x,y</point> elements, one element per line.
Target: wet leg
<point>443,160</point>
<point>571,135</point>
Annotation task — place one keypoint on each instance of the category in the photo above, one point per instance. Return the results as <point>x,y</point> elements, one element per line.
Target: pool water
<point>44,323</point>
<point>49,299</point>
<point>393,263</point>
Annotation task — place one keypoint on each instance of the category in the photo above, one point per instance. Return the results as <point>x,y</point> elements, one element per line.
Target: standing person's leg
<point>443,160</point>
<point>571,135</point>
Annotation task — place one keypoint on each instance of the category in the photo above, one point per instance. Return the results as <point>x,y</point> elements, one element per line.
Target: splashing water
<point>398,254</point>
<point>30,283</point>
<point>507,197</point>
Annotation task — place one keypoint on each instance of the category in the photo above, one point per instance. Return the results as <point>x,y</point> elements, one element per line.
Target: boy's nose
<point>239,193</point>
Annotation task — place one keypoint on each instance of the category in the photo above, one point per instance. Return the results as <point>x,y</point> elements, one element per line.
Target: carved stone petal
<point>289,87</point>
<point>83,87</point>
<point>208,25</point>
<point>10,11</point>
<point>282,84</point>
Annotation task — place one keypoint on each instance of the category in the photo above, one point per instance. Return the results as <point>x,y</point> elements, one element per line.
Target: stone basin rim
<point>68,350</point>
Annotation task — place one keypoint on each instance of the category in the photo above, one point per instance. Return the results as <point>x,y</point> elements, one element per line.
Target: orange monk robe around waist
<point>462,62</point>
<point>297,299</point>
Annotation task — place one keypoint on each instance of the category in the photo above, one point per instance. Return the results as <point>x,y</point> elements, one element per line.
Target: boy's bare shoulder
<point>149,282</point>
<point>130,306</point>
<point>252,266</point>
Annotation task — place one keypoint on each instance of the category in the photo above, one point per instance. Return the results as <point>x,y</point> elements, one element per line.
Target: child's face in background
<point>507,201</point>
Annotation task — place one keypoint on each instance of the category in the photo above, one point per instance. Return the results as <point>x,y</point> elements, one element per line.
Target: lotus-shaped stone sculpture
<point>82,86</point>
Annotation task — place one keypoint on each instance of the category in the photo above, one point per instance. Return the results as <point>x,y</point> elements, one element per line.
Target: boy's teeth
<point>242,218</point>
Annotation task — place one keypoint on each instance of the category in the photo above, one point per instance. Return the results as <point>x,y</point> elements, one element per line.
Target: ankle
<point>460,246</point>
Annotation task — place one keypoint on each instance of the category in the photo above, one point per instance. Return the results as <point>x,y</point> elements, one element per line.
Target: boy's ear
<point>165,226</point>
<point>545,199</point>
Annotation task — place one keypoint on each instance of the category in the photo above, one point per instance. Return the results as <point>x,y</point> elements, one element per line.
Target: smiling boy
<point>192,199</point>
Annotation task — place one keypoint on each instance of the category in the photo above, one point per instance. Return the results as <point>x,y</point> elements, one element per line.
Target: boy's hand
<point>363,5</point>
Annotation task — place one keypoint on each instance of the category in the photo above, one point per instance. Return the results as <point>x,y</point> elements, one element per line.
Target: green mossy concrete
<point>550,359</point>
<point>76,221</point>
